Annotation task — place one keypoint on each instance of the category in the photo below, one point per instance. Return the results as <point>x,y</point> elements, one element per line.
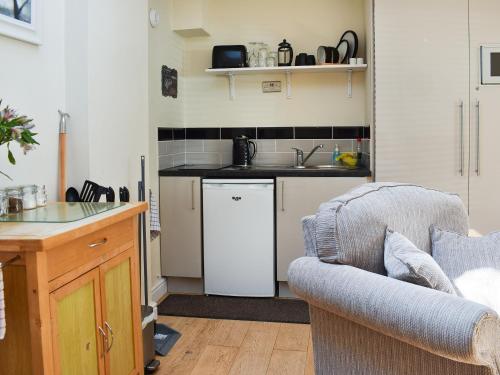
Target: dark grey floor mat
<point>165,338</point>
<point>236,308</point>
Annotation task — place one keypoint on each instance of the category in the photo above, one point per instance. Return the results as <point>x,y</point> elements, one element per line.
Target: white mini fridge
<point>238,237</point>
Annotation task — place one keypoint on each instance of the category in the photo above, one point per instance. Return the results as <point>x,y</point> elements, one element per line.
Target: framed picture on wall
<point>22,20</point>
<point>168,81</point>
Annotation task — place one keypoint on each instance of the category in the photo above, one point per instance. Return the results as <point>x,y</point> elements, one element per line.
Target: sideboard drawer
<point>84,250</point>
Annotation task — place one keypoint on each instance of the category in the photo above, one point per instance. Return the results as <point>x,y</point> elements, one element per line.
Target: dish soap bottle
<point>359,153</point>
<point>336,155</point>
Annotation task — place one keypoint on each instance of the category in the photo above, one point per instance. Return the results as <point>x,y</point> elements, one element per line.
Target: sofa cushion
<point>471,263</point>
<point>404,261</point>
<point>351,229</point>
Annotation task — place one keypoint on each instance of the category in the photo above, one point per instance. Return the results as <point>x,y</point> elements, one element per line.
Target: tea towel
<point>3,324</point>
<point>154,216</point>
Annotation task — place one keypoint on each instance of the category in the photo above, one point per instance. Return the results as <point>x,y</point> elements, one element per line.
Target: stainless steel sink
<point>326,166</point>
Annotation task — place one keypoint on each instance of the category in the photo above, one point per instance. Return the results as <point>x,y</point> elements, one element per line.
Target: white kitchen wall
<point>165,48</point>
<point>107,80</point>
<point>32,81</point>
<point>318,99</point>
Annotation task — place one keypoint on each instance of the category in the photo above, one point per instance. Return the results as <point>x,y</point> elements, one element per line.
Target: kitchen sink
<point>326,166</point>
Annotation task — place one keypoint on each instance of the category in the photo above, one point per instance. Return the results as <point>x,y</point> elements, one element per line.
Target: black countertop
<point>218,171</point>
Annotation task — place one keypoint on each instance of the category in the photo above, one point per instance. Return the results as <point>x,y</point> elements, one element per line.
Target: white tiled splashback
<point>173,153</point>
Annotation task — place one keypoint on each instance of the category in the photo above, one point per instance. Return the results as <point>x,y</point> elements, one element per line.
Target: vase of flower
<point>15,129</point>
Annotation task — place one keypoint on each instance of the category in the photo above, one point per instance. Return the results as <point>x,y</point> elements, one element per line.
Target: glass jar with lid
<point>29,197</point>
<point>4,203</point>
<point>15,198</point>
<point>41,196</point>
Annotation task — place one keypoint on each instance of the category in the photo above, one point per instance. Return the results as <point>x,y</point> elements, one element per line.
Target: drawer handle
<point>98,243</point>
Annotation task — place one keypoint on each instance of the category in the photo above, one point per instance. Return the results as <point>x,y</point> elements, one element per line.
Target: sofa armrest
<point>437,322</point>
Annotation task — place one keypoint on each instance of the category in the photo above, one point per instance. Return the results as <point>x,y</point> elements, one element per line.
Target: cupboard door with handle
<point>180,210</point>
<point>78,344</point>
<point>297,197</point>
<point>485,124</point>
<point>120,315</point>
<point>422,93</point>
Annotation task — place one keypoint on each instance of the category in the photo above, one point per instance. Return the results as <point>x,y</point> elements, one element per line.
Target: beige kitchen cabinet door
<point>422,93</point>
<point>484,206</point>
<point>297,197</point>
<point>180,211</point>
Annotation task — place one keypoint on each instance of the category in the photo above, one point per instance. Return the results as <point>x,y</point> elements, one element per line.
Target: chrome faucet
<point>299,156</point>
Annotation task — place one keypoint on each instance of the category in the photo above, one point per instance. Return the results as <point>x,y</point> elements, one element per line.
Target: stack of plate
<point>346,49</point>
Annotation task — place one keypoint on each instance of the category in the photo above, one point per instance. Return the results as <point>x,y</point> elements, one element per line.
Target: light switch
<point>271,86</point>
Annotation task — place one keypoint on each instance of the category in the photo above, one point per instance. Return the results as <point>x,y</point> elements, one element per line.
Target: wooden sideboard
<point>73,296</point>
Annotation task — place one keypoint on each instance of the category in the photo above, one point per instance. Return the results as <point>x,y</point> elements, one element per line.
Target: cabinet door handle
<point>110,345</point>
<point>98,243</point>
<point>478,142</point>
<point>192,196</point>
<point>282,195</point>
<point>104,339</point>
<point>461,147</point>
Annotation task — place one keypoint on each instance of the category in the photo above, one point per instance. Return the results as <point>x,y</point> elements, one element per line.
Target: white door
<point>421,80</point>
<point>485,154</point>
<point>238,237</point>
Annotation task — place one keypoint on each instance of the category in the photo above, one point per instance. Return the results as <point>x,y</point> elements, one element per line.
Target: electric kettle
<point>242,157</point>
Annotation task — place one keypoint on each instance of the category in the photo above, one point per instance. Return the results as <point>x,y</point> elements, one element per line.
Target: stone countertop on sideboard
<point>217,171</point>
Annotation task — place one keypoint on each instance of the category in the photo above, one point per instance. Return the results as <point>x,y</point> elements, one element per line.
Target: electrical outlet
<point>271,86</point>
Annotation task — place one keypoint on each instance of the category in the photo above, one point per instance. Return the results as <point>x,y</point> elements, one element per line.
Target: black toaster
<point>229,57</point>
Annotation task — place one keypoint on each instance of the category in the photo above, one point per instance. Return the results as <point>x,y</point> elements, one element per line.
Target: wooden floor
<point>219,347</point>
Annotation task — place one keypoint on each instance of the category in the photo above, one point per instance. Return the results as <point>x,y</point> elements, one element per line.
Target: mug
<point>310,60</point>
<point>301,59</point>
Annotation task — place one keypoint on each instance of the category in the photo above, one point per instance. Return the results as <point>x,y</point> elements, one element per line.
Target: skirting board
<point>160,290</point>
<point>185,285</point>
<point>284,291</point>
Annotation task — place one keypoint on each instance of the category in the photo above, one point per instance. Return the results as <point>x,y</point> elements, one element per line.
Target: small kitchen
<point>268,116</point>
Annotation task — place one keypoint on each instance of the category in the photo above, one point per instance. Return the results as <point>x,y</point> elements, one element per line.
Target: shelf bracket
<point>230,77</point>
<point>288,84</point>
<point>349,83</point>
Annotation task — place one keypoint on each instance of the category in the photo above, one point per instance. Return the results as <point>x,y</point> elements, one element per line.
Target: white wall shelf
<point>230,73</point>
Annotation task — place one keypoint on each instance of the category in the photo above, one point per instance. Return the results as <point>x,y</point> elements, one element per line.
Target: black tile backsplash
<point>348,132</point>
<point>179,134</point>
<point>302,132</point>
<point>165,134</point>
<point>202,133</point>
<point>230,133</point>
<point>324,132</point>
<point>366,132</point>
<point>275,133</point>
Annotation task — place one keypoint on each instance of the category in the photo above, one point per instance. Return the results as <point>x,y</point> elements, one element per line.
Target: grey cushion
<point>309,229</point>
<point>351,229</point>
<point>471,263</point>
<point>404,261</point>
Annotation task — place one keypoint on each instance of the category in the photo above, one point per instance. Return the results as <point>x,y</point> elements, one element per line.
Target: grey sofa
<point>366,323</point>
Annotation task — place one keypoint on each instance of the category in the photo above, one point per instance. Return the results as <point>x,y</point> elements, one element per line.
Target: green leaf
<point>12,159</point>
